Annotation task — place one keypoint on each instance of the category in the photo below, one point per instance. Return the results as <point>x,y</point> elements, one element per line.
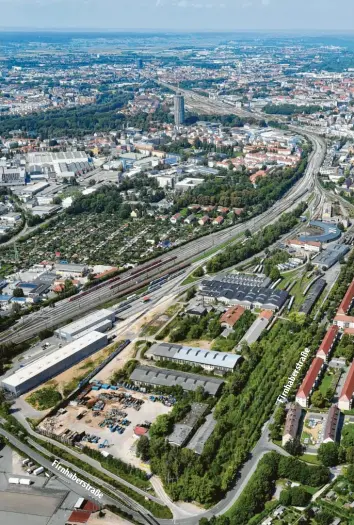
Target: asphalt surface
<point>96,482</point>
<point>65,310</point>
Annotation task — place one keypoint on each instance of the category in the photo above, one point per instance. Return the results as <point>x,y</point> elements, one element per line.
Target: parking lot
<point>312,432</point>
<point>111,420</point>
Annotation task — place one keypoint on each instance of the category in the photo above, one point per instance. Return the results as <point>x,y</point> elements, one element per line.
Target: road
<point>136,510</point>
<point>64,310</point>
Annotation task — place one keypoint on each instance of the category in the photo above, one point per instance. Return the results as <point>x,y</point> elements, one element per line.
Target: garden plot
<point>100,238</point>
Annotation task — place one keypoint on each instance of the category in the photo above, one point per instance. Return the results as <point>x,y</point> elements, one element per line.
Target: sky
<point>187,15</point>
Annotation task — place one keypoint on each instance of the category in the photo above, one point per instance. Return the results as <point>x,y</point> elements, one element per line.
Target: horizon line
<point>167,30</point>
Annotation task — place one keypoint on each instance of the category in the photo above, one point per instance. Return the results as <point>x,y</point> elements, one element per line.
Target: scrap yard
<point>104,417</point>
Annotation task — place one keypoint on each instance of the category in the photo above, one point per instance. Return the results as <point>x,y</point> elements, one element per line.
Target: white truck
<point>14,481</point>
<point>38,471</point>
<point>24,481</point>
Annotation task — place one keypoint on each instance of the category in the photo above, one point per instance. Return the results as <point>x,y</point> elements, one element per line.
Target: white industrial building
<point>99,321</point>
<point>48,366</point>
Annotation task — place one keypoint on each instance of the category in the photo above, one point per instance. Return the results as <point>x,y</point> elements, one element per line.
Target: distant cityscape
<point>176,278</point>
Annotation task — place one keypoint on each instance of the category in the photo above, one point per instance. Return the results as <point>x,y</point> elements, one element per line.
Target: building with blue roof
<point>329,232</point>
<point>4,298</point>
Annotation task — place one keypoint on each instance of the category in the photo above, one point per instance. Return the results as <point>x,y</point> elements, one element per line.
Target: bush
<point>45,398</point>
<point>296,496</point>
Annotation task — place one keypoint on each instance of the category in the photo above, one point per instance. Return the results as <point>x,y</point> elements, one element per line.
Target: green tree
<point>294,447</point>
<point>317,399</point>
<point>274,274</point>
<point>18,292</point>
<point>143,448</point>
<point>199,272</point>
<point>350,473</point>
<point>328,454</point>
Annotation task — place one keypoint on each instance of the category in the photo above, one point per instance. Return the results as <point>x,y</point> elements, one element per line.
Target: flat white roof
<point>43,363</point>
<point>86,322</point>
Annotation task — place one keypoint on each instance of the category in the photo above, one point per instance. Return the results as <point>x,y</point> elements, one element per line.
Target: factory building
<point>248,296</point>
<point>331,256</point>
<point>326,232</point>
<point>73,270</point>
<point>12,176</point>
<point>149,376</point>
<point>98,321</point>
<point>48,366</point>
<point>207,359</point>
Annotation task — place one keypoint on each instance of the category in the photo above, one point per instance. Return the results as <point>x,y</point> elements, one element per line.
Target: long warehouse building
<point>207,359</point>
<point>48,366</point>
<point>98,321</point>
<point>147,375</point>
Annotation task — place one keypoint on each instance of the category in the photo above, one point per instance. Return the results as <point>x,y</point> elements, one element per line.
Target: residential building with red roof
<point>344,321</point>
<point>331,427</point>
<point>346,395</point>
<point>219,220</point>
<point>231,316</point>
<point>310,381</point>
<point>255,176</point>
<point>347,301</point>
<point>292,423</point>
<point>204,220</point>
<point>327,344</point>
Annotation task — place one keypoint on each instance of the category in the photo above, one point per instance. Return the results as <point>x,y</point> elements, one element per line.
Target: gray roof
<point>331,255</point>
<point>243,278</point>
<point>163,377</point>
<point>194,355</point>
<point>312,296</point>
<point>182,430</point>
<point>70,267</point>
<point>202,435</point>
<point>180,434</point>
<point>243,294</point>
<point>255,330</point>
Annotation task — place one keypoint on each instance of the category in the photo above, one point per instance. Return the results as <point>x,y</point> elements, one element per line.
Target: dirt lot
<point>68,380</point>
<point>313,429</point>
<point>116,364</point>
<point>109,519</point>
<point>120,445</point>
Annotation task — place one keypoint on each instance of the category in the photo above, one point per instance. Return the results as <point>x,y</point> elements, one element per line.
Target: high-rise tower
<point>179,109</point>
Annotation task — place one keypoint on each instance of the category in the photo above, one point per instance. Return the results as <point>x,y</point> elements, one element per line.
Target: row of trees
<point>261,487</point>
<point>234,255</point>
<point>290,109</point>
<point>75,121</point>
<point>240,418</point>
